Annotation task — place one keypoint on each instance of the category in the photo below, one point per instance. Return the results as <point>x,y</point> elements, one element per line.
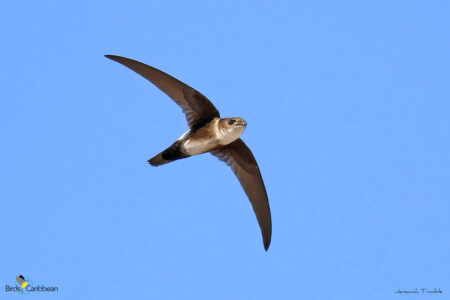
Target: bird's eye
<point>231,122</point>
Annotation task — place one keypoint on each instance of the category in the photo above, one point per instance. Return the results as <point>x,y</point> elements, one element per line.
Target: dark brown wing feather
<point>239,157</point>
<point>197,108</point>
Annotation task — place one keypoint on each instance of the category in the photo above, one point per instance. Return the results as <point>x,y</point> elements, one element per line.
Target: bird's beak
<point>242,123</point>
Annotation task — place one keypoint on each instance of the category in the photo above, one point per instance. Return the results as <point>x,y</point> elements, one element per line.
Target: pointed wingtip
<point>267,238</point>
<point>113,57</point>
<point>266,241</point>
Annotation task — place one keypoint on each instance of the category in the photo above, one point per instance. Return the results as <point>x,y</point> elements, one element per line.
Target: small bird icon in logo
<point>22,282</point>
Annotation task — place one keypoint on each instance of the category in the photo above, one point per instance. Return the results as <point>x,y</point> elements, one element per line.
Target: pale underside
<point>208,138</point>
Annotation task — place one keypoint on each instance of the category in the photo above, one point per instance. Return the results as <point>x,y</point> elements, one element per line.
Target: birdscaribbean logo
<point>22,282</point>
<point>26,286</point>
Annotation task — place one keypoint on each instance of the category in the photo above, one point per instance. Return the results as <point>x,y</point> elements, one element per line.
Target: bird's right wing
<point>241,160</point>
<point>197,108</point>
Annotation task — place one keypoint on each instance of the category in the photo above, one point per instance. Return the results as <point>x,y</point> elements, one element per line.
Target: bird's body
<point>213,135</point>
<point>209,133</point>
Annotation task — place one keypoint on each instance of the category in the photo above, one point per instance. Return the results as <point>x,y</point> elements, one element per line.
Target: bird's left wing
<point>241,160</point>
<point>197,108</point>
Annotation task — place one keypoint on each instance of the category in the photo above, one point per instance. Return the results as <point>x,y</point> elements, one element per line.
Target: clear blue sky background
<point>349,115</point>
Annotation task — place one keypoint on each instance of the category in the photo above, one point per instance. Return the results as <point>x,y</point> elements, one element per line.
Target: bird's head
<point>232,128</point>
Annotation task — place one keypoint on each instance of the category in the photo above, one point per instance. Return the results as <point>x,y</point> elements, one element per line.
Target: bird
<point>23,283</point>
<point>208,132</point>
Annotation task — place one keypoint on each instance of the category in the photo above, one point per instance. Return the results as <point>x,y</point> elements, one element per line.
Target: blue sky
<point>347,104</point>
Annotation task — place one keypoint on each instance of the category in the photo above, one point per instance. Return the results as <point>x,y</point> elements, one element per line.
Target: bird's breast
<point>194,146</point>
<point>201,141</point>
